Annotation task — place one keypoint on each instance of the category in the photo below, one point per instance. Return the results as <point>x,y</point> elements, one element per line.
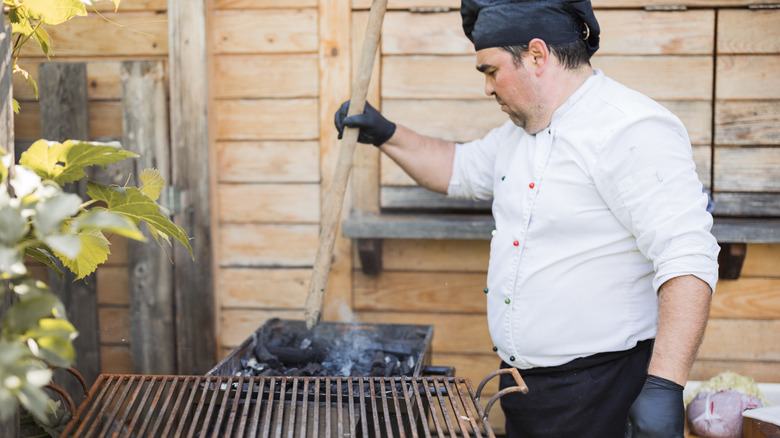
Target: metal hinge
<point>430,9</point>
<point>765,6</point>
<point>665,8</point>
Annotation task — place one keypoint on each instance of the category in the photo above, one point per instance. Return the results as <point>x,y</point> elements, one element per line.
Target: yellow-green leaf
<point>54,12</point>
<point>131,202</point>
<point>65,162</point>
<point>152,183</point>
<point>94,251</point>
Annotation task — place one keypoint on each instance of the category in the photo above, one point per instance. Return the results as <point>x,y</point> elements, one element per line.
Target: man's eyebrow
<point>482,68</point>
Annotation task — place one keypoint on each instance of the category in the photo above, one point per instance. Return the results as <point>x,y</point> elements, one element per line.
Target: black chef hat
<point>500,23</point>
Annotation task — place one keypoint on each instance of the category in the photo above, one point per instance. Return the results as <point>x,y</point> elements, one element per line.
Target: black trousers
<point>585,398</point>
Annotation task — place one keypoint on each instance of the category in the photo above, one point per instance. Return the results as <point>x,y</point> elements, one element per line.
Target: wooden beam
<point>65,116</point>
<point>9,427</point>
<point>150,273</point>
<point>190,177</point>
<point>730,260</point>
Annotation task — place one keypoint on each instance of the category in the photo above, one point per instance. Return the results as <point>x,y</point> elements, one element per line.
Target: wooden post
<point>10,427</point>
<point>150,272</point>
<point>190,156</point>
<point>65,116</point>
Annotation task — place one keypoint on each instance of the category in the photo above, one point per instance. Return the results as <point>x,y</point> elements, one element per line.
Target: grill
<point>282,406</point>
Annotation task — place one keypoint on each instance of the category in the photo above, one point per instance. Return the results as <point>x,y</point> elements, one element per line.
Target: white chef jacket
<point>593,214</point>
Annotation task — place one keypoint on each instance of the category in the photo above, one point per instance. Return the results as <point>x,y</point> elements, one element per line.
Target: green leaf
<point>44,258</point>
<point>54,12</point>
<point>25,314</point>
<point>152,183</point>
<point>132,203</point>
<point>16,105</point>
<point>40,35</point>
<point>100,219</point>
<point>65,246</point>
<point>65,162</point>
<point>94,251</point>
<point>11,262</point>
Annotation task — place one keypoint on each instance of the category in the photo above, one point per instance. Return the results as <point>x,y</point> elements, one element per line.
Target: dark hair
<point>571,55</point>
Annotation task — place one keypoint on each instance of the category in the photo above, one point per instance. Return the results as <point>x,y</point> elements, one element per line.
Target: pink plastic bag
<point>718,414</point>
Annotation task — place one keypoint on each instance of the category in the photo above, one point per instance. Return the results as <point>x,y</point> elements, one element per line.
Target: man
<point>602,265</point>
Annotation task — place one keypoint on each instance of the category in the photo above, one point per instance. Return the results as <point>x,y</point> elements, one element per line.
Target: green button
<point>506,300</point>
<point>486,290</point>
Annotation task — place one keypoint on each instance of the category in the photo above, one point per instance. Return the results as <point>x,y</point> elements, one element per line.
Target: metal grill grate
<point>290,407</point>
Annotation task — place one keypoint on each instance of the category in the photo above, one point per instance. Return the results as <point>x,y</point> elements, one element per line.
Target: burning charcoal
<point>294,372</point>
<point>377,364</point>
<point>265,356</point>
<point>392,364</point>
<point>313,369</point>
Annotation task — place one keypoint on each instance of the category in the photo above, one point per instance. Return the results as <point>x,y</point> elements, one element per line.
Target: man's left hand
<point>659,411</point>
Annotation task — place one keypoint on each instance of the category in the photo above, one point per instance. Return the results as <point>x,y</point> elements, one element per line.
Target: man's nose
<point>489,88</point>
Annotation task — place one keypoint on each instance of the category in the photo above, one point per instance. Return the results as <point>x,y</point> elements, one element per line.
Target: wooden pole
<point>191,182</point>
<point>335,198</point>
<point>65,116</point>
<point>150,272</point>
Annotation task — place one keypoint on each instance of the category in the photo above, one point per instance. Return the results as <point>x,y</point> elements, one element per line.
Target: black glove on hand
<point>659,411</point>
<point>374,128</point>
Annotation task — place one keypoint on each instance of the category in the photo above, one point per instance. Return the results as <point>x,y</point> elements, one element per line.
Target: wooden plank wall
<point>137,31</point>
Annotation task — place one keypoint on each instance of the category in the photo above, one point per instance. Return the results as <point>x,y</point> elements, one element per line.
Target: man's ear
<point>538,54</point>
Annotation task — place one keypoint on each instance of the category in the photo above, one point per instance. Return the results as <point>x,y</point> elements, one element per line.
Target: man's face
<point>514,86</point>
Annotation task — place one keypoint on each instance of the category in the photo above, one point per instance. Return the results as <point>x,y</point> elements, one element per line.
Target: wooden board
<point>747,169</point>
<point>268,203</point>
<point>412,291</point>
<point>263,288</point>
<point>131,5</point>
<point>239,324</point>
<point>268,161</point>
<point>748,77</point>
<point>267,245</point>
<point>747,123</point>
<point>760,371</point>
<point>264,31</point>
<point>114,325</point>
<point>263,4</point>
<point>436,255</point>
<point>116,359</point>
<point>413,77</point>
<point>748,298</point>
<point>661,77</point>
<point>112,285</point>
<point>760,35</point>
<point>741,339</point>
<point>439,5</point>
<point>762,260</point>
<point>257,76</point>
<point>406,33</point>
<point>126,34</point>
<point>266,119</point>
<point>639,32</point>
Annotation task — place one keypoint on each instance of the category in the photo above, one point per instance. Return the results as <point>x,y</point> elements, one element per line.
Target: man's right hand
<point>374,128</point>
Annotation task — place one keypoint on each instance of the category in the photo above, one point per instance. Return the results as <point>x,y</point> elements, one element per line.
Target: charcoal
<point>294,355</point>
<point>265,356</point>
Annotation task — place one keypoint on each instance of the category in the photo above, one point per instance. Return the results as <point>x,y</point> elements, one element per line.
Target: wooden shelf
<point>733,234</point>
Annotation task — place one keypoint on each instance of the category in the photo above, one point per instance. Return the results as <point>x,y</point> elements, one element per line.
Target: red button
<point>531,185</point>
<point>515,243</point>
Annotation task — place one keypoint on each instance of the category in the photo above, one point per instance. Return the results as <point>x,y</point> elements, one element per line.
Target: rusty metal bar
<point>245,406</point>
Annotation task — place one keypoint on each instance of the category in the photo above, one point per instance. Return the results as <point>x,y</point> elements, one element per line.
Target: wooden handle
<point>335,196</point>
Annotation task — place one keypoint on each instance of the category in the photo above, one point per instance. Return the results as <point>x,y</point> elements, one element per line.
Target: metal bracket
<point>665,8</point>
<point>521,388</point>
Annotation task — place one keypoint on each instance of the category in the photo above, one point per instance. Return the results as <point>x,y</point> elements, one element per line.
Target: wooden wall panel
<point>748,31</point>
<point>661,77</point>
<point>112,285</point>
<point>415,77</point>
<point>741,339</point>
<point>268,161</point>
<point>406,33</point>
<point>748,77</point>
<point>263,288</point>
<point>747,169</point>
<point>263,4</point>
<point>102,80</point>
<point>412,291</point>
<point>265,31</point>
<point>267,245</point>
<point>436,255</point>
<point>439,5</point>
<point>269,203</point>
<point>747,122</point>
<point>116,359</point>
<point>131,5</point>
<point>239,324</point>
<point>274,76</point>
<point>266,119</point>
<point>748,298</point>
<point>762,260</point>
<point>118,34</point>
<point>114,325</point>
<point>639,32</point>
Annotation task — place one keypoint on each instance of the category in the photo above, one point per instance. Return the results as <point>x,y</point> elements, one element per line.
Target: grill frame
<point>187,406</point>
